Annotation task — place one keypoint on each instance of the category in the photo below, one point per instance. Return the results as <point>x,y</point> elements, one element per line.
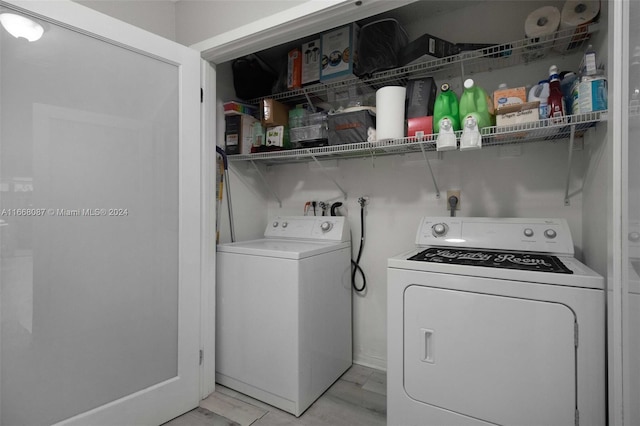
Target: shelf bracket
<point>306,95</point>
<point>433,178</point>
<point>328,176</point>
<point>569,161</point>
<point>266,183</point>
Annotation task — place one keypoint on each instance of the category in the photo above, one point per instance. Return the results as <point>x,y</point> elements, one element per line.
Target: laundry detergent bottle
<point>476,112</point>
<point>446,119</point>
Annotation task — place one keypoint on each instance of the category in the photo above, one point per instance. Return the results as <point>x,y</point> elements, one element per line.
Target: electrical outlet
<point>453,193</point>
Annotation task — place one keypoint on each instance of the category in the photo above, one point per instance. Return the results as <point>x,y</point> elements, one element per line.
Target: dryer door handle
<point>427,354</point>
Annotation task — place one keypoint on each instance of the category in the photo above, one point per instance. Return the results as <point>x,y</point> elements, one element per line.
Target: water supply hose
<point>356,264</point>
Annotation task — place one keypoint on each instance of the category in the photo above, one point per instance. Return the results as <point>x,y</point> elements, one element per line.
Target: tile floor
<point>357,398</point>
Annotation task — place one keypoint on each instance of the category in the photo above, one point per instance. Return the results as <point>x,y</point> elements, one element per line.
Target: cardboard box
<point>238,133</point>
<point>294,69</point>
<point>420,127</point>
<point>518,114</point>
<point>278,136</point>
<point>504,97</point>
<point>426,48</point>
<point>273,113</point>
<point>338,52</point>
<point>311,62</point>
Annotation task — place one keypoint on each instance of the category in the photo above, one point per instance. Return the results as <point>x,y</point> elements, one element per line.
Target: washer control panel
<point>538,235</point>
<point>327,228</point>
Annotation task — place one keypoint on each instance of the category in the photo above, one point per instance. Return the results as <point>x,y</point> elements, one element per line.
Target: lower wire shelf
<point>542,130</point>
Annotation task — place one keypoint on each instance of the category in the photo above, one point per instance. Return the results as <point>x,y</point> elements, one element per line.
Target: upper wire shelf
<point>496,57</point>
<point>542,130</point>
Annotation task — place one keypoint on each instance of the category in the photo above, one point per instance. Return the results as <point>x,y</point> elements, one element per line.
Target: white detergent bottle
<point>540,92</point>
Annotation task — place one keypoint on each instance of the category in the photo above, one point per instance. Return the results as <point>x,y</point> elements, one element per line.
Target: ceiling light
<point>20,26</point>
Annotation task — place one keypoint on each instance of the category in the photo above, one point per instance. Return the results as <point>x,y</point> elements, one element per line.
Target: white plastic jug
<point>540,92</point>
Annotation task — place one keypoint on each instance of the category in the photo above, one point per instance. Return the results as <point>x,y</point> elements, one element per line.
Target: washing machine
<point>283,311</point>
<point>494,322</point>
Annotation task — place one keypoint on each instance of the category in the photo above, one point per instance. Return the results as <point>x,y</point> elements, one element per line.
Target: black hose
<point>356,263</point>
<point>334,207</point>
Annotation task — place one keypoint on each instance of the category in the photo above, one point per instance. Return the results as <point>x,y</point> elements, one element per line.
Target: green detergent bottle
<point>446,119</point>
<point>476,112</point>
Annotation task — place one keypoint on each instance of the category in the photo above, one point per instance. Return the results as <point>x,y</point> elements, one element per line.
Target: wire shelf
<point>542,130</point>
<point>496,57</point>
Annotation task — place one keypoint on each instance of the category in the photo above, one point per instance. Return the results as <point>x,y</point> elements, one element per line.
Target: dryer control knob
<point>326,226</point>
<point>439,229</point>
<point>285,224</point>
<point>275,224</point>
<point>634,236</point>
<point>528,232</point>
<point>550,233</point>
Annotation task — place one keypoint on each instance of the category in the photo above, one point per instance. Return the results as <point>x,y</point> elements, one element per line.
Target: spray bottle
<point>476,112</point>
<point>446,119</point>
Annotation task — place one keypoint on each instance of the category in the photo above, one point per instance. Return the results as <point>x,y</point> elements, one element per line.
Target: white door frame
<point>179,394</point>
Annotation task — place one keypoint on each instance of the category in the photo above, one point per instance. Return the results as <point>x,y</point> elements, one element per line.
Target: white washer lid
<point>281,248</point>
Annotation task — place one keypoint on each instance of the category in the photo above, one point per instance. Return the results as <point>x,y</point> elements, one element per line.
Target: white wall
<point>156,16</point>
<point>198,20</point>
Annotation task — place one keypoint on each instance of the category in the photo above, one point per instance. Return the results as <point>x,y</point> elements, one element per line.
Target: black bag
<point>251,78</point>
<point>379,45</point>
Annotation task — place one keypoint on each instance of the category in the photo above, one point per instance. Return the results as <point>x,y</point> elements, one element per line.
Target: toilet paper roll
<point>390,106</point>
<point>542,22</point>
<point>576,14</point>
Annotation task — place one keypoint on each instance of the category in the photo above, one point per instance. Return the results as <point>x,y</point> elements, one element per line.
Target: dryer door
<point>500,359</point>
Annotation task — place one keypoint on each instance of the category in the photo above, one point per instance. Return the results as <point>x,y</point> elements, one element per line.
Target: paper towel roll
<point>579,12</point>
<point>542,22</point>
<point>576,14</point>
<point>390,105</point>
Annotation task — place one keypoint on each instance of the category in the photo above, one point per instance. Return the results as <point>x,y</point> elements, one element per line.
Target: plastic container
<point>566,85</point>
<point>475,102</point>
<point>540,93</point>
<point>446,106</point>
<point>557,108</point>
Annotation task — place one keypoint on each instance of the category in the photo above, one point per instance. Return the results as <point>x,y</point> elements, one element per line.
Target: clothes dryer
<point>493,321</point>
<point>283,311</point>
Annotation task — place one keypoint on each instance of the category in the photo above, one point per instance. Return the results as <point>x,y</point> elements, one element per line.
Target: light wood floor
<point>357,398</point>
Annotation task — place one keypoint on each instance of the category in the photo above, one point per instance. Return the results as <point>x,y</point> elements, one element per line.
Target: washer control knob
<point>439,229</point>
<point>528,232</point>
<point>275,224</point>
<point>550,233</point>
<point>326,226</point>
<point>285,224</point>
<point>634,236</point>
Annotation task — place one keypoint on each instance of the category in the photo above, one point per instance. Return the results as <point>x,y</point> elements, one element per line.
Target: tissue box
<point>350,127</point>
<point>504,97</point>
<point>518,114</point>
<point>338,52</point>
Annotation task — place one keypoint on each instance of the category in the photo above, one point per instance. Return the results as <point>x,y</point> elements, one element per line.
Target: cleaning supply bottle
<point>540,93</point>
<point>557,109</point>
<point>476,112</point>
<point>446,119</point>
